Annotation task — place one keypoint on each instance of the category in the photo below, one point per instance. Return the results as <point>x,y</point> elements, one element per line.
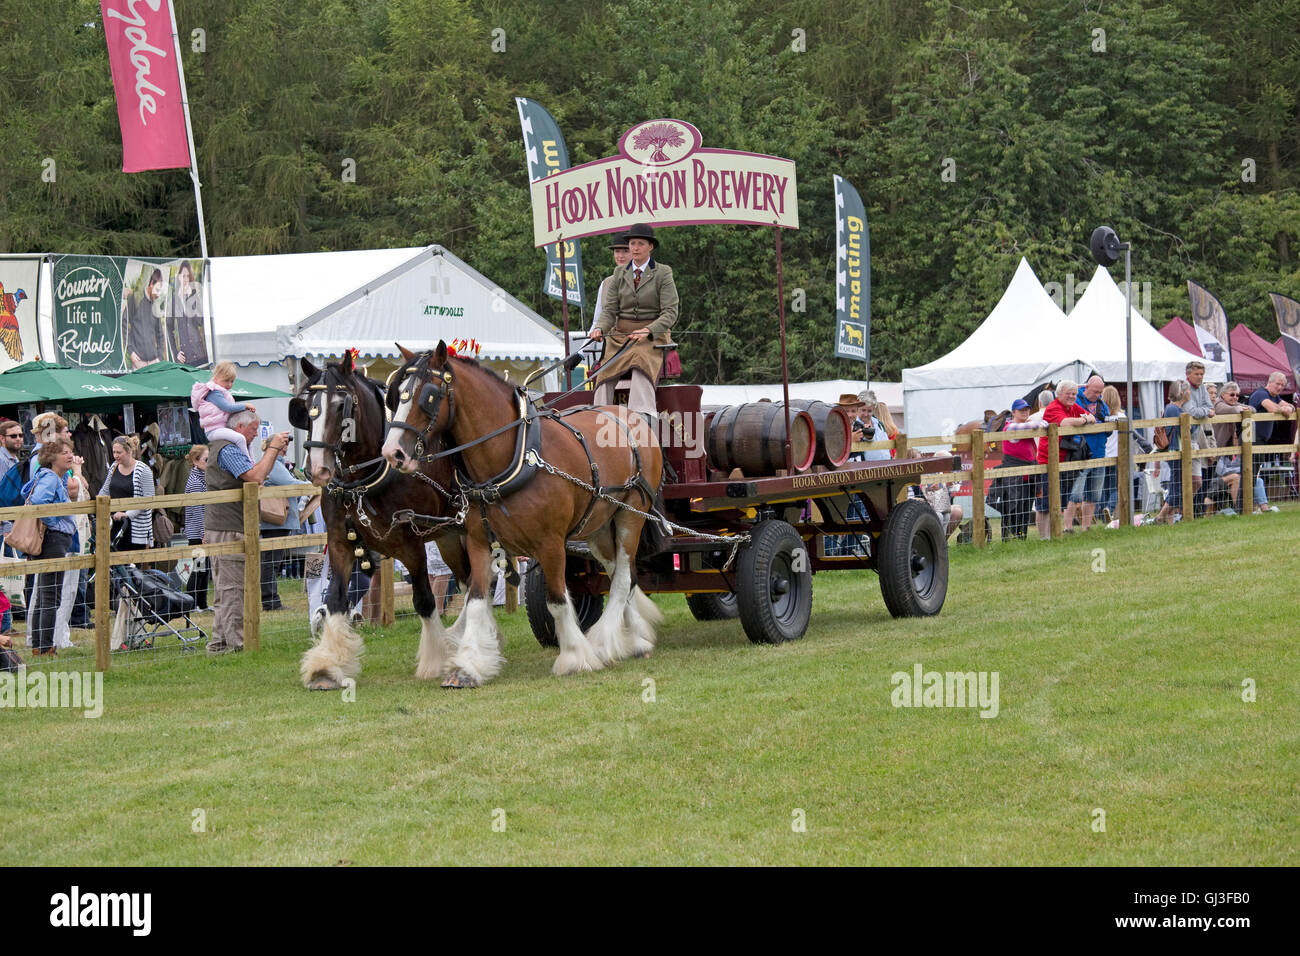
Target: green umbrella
<point>48,382</point>
<point>177,380</point>
<point>16,396</point>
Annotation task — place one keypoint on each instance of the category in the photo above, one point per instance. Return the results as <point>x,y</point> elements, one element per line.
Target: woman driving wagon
<point>639,306</point>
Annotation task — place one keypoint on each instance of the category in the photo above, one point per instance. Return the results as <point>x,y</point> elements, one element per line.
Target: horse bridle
<point>303,412</point>
<point>429,401</point>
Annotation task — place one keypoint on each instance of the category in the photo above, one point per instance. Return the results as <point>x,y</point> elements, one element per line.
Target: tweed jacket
<point>654,300</point>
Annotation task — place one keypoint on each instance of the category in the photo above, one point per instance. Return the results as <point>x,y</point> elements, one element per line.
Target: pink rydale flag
<point>142,55</point>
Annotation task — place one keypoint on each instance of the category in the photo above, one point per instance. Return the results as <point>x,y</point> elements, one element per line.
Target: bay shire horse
<point>366,504</point>
<point>519,505</point>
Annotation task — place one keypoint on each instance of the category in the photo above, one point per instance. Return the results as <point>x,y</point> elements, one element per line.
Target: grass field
<point>1119,690</point>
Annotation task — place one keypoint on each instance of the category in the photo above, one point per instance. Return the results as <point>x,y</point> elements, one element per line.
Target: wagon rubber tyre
<point>774,599</point>
<point>913,560</point>
<point>587,606</point>
<point>713,607</point>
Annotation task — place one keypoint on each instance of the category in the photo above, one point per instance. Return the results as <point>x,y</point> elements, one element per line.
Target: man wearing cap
<point>861,409</point>
<point>1013,497</point>
<point>618,246</point>
<point>639,307</point>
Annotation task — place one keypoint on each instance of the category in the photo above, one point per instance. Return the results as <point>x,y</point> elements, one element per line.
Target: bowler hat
<point>642,231</point>
<point>618,241</point>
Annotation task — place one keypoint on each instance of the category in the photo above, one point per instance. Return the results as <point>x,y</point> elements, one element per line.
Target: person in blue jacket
<point>49,487</point>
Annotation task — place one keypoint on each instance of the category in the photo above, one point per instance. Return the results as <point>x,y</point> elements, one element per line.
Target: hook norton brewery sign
<point>664,178</point>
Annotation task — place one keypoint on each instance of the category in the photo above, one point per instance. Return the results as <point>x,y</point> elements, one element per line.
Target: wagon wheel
<point>587,606</point>
<point>713,607</point>
<point>774,584</point>
<point>913,560</point>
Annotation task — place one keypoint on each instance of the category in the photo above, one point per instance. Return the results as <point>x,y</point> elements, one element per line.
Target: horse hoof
<point>459,680</point>
<point>323,682</point>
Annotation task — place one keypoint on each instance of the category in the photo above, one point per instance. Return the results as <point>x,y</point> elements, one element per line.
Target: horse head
<point>422,406</point>
<point>342,413</point>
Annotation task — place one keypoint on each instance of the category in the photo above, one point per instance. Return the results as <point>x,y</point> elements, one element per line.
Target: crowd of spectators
<point>1091,491</point>
<point>55,603</point>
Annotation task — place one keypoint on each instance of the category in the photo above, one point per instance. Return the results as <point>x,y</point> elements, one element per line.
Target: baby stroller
<point>148,603</point>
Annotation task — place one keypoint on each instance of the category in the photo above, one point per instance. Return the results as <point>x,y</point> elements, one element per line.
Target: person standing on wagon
<point>639,306</point>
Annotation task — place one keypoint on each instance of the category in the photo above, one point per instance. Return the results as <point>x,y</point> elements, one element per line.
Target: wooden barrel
<point>833,429</point>
<point>752,438</point>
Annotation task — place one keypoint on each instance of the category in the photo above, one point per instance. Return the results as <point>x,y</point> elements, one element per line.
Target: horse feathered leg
<point>577,654</point>
<point>334,656</point>
<point>477,657</point>
<point>336,652</point>
<point>435,649</point>
<point>640,614</point>
<point>607,633</point>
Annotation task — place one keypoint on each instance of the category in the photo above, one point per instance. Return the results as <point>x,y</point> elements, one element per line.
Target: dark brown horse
<point>518,505</point>
<point>365,505</point>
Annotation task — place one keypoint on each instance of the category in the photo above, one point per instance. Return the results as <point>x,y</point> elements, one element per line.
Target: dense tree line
<point>976,133</point>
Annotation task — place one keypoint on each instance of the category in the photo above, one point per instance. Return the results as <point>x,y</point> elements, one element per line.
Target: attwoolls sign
<point>663,177</point>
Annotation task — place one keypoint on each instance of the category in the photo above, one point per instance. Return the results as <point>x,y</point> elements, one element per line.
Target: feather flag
<point>146,77</point>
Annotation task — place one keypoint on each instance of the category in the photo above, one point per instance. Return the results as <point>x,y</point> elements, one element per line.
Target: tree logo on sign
<point>647,143</point>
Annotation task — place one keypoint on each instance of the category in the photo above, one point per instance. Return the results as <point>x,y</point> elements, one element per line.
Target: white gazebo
<point>1025,341</point>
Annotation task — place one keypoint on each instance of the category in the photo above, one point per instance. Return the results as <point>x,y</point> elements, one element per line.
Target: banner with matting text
<point>852,274</point>
<point>663,178</point>
<point>546,155</point>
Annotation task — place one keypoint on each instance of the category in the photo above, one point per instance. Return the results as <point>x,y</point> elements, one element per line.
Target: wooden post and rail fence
<point>975,447</point>
<point>251,547</point>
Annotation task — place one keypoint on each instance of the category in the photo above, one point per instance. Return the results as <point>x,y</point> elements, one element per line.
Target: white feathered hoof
<point>435,649</point>
<point>460,680</point>
<point>335,656</point>
<point>477,657</point>
<point>641,618</point>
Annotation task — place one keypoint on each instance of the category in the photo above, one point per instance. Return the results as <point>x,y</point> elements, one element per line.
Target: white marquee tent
<point>891,393</point>
<point>1098,319</point>
<point>1025,340</point>
<point>268,311</point>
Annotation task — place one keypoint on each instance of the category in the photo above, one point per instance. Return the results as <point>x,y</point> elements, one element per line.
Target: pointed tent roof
<point>1098,319</point>
<point>1267,356</point>
<point>267,307</point>
<point>1023,341</point>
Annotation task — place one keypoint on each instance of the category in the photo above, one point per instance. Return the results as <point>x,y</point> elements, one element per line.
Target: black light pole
<point>1106,248</point>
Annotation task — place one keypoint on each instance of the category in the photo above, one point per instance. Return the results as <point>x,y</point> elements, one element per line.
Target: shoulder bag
<point>28,534</point>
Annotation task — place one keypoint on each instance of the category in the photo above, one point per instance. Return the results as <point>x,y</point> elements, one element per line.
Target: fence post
<point>1054,481</point>
<point>387,613</point>
<point>1247,462</point>
<point>252,568</point>
<point>1124,471</point>
<point>1188,462</point>
<point>512,591</point>
<point>103,612</point>
<point>977,487</point>
<point>900,446</point>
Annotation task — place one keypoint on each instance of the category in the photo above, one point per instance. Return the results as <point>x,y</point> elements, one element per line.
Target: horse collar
<point>523,464</point>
